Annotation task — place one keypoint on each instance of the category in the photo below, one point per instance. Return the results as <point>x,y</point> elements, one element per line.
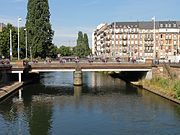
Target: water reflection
<point>103,105</point>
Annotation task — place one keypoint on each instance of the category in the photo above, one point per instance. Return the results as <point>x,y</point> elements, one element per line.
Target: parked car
<point>163,60</point>
<point>140,60</point>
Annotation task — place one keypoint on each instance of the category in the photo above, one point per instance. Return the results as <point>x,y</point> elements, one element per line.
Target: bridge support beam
<point>149,75</point>
<point>20,77</point>
<point>77,76</point>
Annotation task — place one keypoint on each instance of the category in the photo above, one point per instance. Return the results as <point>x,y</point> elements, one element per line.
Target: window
<point>136,36</point>
<point>132,35</point>
<point>136,42</point>
<point>161,25</point>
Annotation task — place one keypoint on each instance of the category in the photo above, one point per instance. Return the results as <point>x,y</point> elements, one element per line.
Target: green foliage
<point>82,48</point>
<point>177,88</point>
<point>65,51</point>
<point>39,29</point>
<point>53,51</point>
<point>5,41</point>
<point>168,85</point>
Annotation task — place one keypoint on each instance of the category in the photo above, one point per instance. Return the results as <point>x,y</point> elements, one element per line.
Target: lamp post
<point>19,20</point>
<point>30,53</point>
<point>10,36</point>
<point>26,41</point>
<point>154,24</point>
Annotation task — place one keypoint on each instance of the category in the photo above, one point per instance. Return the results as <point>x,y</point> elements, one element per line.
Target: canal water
<point>102,106</point>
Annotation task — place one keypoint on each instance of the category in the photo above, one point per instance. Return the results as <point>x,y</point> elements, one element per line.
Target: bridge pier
<point>149,75</point>
<point>77,76</point>
<point>20,77</point>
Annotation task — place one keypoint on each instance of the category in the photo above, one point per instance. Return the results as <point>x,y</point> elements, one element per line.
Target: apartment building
<point>137,39</point>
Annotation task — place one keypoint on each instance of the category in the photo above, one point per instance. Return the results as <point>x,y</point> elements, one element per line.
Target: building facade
<point>137,39</point>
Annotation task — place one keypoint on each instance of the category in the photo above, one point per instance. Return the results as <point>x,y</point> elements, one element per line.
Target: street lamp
<point>154,36</point>
<point>26,41</point>
<point>10,36</point>
<point>30,53</point>
<point>19,20</point>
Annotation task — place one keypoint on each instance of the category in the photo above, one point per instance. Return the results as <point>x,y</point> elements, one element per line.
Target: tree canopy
<point>38,25</point>
<point>82,48</point>
<point>5,41</point>
<point>65,51</point>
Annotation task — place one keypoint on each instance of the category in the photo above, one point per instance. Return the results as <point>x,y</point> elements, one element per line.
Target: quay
<point>9,88</point>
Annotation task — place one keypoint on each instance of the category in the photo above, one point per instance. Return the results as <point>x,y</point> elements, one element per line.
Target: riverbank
<point>9,88</point>
<point>167,88</point>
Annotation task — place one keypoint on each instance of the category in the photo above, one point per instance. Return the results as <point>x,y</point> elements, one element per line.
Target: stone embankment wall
<point>166,71</point>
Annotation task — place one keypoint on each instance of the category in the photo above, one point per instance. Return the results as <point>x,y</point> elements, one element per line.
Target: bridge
<point>80,67</point>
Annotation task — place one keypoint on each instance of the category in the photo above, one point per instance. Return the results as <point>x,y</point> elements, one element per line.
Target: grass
<point>164,85</point>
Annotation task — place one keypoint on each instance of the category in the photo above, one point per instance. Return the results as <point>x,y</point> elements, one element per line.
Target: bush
<point>177,89</point>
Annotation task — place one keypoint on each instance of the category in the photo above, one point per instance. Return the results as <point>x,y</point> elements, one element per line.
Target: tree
<point>39,29</point>
<point>64,51</point>
<point>80,38</point>
<point>86,43</point>
<point>82,47</point>
<point>5,41</point>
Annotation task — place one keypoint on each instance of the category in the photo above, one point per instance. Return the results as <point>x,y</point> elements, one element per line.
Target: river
<point>102,106</point>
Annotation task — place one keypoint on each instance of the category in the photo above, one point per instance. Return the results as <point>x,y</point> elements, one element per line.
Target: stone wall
<point>166,71</point>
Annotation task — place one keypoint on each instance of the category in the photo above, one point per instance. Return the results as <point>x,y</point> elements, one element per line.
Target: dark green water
<point>103,106</point>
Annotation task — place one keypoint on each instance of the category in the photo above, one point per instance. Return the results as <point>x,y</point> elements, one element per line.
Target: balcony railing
<point>148,51</point>
<point>148,39</point>
<point>150,45</point>
<point>124,38</point>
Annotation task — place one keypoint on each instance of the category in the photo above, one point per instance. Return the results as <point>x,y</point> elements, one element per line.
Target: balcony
<point>148,39</point>
<point>150,45</point>
<point>168,37</point>
<point>124,50</point>
<point>107,45</point>
<point>124,44</point>
<point>108,39</point>
<point>108,51</point>
<point>148,51</point>
<point>124,38</point>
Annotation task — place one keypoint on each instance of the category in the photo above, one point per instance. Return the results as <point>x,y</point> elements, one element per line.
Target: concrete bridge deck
<point>82,67</point>
<point>40,67</point>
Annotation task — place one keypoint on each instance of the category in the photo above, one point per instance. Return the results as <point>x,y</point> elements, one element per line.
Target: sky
<point>70,16</point>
